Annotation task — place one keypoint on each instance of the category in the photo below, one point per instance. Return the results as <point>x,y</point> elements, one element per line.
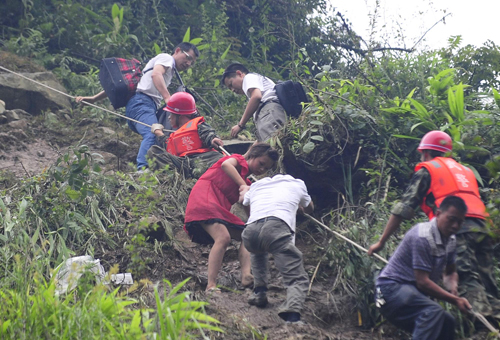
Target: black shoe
<point>258,299</point>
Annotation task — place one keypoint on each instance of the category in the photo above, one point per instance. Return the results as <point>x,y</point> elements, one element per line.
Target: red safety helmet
<point>436,140</point>
<point>181,103</point>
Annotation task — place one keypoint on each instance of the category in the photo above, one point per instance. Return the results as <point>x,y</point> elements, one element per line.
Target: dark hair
<point>185,46</point>
<point>231,69</point>
<point>263,149</point>
<point>453,201</point>
<point>434,153</point>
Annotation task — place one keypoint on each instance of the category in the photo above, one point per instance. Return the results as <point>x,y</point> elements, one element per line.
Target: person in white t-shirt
<point>263,104</point>
<point>274,202</point>
<point>151,90</point>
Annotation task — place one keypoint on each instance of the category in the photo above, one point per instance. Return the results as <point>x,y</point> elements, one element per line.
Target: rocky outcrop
<point>20,93</point>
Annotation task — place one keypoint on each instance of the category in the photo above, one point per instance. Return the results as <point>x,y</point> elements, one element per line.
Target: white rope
<point>346,239</point>
<point>73,97</point>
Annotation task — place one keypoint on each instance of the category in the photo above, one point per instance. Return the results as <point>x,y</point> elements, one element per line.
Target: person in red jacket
<point>190,148</point>
<point>208,219</point>
<point>435,178</point>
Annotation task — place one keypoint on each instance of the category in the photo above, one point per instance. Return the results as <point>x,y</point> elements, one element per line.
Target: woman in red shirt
<point>208,218</point>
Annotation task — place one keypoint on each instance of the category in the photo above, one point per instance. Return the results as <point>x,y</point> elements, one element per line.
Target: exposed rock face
<point>20,93</point>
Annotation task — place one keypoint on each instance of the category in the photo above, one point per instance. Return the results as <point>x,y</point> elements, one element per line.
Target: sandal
<point>213,290</point>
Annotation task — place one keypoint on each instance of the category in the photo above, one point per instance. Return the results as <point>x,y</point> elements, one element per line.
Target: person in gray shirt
<point>426,254</point>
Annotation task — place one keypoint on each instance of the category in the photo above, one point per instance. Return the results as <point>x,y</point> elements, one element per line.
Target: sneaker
<point>258,299</point>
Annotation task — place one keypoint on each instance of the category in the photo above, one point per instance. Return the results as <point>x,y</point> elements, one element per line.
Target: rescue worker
<point>151,90</point>
<point>190,149</point>
<point>436,177</point>
<point>274,202</point>
<point>263,104</point>
<point>424,257</point>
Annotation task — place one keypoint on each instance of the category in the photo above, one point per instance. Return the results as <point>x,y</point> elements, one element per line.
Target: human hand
<point>80,100</point>
<point>463,305</point>
<point>157,126</point>
<point>375,248</point>
<point>235,130</point>
<point>216,142</point>
<point>243,190</point>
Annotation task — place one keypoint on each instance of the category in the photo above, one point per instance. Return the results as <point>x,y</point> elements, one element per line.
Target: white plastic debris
<point>70,271</point>
<point>73,268</point>
<point>122,279</point>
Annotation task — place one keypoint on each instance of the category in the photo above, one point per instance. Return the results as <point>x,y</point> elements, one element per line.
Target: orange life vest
<point>186,140</point>
<point>451,178</point>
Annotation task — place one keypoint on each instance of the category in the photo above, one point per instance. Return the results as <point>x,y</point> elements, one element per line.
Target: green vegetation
<point>354,145</point>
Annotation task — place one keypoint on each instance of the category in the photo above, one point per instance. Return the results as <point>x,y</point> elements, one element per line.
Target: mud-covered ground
<point>32,143</point>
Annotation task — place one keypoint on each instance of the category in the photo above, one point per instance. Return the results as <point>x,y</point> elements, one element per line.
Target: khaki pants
<point>272,235</point>
<point>271,118</point>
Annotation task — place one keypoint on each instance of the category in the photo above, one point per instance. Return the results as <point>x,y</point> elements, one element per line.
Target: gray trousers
<point>271,118</point>
<point>272,235</point>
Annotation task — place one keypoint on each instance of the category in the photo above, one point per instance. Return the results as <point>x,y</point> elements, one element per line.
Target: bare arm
<point>159,82</point>
<point>252,106</point>
<point>391,226</point>
<point>92,99</point>
<point>229,167</point>
<point>429,287</point>
<point>309,209</point>
<point>450,279</point>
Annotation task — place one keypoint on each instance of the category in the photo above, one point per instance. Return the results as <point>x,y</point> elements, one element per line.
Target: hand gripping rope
<point>476,314</point>
<point>73,97</point>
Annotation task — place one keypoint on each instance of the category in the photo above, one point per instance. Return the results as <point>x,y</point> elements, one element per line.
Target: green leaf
<point>496,95</point>
<point>157,48</point>
<point>196,41</point>
<point>407,137</point>
<point>115,11</point>
<point>308,147</point>
<point>315,122</point>
<point>187,35</point>
<point>318,138</point>
<point>73,194</point>
<point>223,56</point>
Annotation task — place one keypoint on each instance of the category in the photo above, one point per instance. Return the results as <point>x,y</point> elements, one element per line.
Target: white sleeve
<point>165,59</point>
<point>305,200</point>
<point>246,198</point>
<point>252,81</point>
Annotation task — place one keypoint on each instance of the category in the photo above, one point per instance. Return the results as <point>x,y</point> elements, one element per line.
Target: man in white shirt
<point>270,229</point>
<point>263,104</point>
<point>151,90</point>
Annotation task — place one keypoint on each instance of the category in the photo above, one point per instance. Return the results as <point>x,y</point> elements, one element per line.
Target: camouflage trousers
<point>475,271</point>
<point>190,167</point>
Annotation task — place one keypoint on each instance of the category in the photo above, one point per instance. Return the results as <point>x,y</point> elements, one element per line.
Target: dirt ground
<point>28,149</point>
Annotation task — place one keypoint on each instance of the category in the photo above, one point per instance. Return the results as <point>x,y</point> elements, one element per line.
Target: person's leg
<point>288,260</point>
<point>407,308</point>
<point>244,257</point>
<point>142,108</point>
<point>258,257</point>
<point>270,119</point>
<point>276,238</point>
<point>222,239</point>
<point>469,279</point>
<point>484,259</point>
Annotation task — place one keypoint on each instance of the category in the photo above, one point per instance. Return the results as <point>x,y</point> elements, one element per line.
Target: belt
<point>264,104</point>
<point>269,218</point>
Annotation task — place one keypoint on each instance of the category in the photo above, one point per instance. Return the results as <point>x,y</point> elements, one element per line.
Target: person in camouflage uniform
<point>190,148</point>
<point>474,245</point>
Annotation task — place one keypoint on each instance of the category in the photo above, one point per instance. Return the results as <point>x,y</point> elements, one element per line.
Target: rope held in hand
<point>345,238</point>
<point>73,97</point>
<point>471,311</point>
